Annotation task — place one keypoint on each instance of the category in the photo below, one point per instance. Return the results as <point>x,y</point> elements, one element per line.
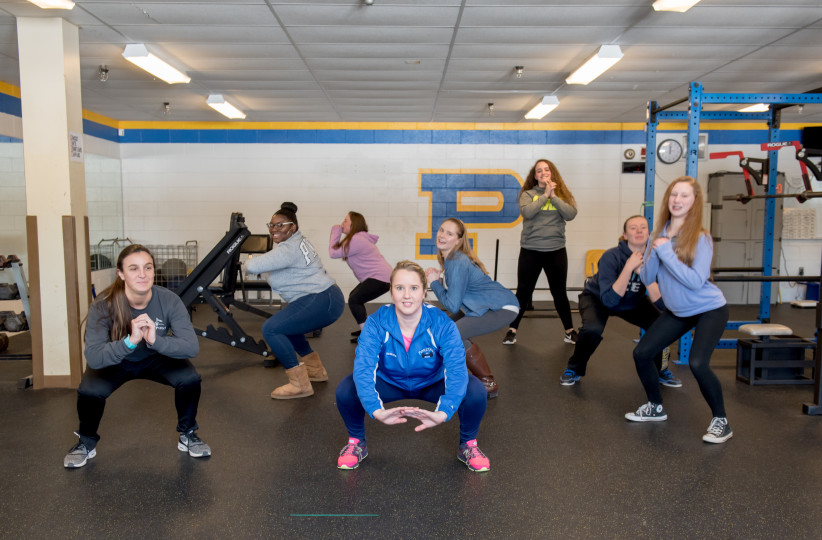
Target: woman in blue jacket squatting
<point>679,260</point>
<point>411,350</point>
<point>479,304</point>
<point>617,290</point>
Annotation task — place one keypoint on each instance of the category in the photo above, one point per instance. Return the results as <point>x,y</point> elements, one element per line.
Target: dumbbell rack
<point>22,287</point>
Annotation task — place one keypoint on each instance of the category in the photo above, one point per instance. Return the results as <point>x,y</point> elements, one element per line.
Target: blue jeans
<point>285,330</point>
<point>470,411</point>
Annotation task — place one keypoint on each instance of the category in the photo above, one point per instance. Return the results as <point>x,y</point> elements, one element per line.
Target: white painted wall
<point>173,193</point>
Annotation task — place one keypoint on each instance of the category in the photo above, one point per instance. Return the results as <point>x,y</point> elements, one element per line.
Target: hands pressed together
<point>432,274</point>
<point>142,328</point>
<point>400,415</point>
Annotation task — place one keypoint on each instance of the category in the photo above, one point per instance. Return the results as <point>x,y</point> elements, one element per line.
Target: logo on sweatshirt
<point>159,325</point>
<point>427,353</point>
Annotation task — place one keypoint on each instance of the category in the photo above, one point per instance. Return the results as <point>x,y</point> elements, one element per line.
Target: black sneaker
<point>719,431</point>
<point>78,455</point>
<point>357,333</point>
<point>191,443</point>
<point>650,412</point>
<point>571,337</point>
<point>510,338</point>
<point>569,378</point>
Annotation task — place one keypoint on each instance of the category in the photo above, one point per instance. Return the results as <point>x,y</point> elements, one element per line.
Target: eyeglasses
<point>279,226</point>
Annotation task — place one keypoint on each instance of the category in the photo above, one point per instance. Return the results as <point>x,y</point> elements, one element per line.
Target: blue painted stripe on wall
<point>100,131</point>
<point>339,136</point>
<point>10,105</point>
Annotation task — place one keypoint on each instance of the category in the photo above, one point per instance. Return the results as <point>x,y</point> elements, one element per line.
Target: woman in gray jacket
<point>294,271</point>
<point>545,203</point>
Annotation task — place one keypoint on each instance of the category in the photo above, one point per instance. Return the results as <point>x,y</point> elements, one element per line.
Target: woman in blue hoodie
<point>410,350</point>
<point>679,260</point>
<point>617,290</point>
<point>479,304</point>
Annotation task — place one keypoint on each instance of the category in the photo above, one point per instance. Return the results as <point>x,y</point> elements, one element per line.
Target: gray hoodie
<point>293,268</point>
<point>543,220</point>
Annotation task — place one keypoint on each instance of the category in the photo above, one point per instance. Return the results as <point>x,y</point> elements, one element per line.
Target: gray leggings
<point>488,322</point>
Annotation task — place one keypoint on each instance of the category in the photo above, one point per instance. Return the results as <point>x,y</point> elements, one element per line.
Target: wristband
<point>128,343</point>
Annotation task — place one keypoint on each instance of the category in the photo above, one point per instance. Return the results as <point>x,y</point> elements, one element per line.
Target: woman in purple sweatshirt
<point>359,250</point>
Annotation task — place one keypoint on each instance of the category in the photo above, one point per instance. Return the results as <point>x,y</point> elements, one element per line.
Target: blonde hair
<point>561,190</point>
<point>411,266</point>
<point>692,229</point>
<point>461,246</point>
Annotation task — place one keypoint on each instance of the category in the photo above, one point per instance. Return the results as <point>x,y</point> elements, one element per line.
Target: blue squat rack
<point>697,97</point>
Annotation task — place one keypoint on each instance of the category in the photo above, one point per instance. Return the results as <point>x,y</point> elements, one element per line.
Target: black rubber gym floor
<point>565,463</point>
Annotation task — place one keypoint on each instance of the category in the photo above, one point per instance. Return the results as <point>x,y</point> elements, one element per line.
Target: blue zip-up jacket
<point>685,289</point>
<point>470,289</point>
<point>609,267</point>
<point>436,353</point>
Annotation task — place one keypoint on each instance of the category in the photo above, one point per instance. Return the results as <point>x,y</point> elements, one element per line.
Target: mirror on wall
<point>104,200</point>
<point>104,203</point>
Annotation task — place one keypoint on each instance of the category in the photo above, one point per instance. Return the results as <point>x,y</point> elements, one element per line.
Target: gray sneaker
<point>191,443</point>
<point>719,431</point>
<point>650,412</point>
<point>78,455</point>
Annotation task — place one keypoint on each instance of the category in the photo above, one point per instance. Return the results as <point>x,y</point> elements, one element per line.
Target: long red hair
<point>692,229</point>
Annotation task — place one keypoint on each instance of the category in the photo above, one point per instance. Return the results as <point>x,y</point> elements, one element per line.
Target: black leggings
<point>365,292</point>
<point>555,266</point>
<point>594,315</point>
<point>708,328</point>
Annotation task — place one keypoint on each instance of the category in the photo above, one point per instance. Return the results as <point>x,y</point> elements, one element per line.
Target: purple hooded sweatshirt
<point>363,256</point>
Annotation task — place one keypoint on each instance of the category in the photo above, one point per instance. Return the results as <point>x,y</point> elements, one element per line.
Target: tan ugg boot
<point>298,384</point>
<point>478,366</point>
<point>316,370</point>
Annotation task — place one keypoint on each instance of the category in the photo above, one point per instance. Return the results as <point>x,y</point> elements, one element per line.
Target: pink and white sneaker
<point>351,454</point>
<point>470,454</point>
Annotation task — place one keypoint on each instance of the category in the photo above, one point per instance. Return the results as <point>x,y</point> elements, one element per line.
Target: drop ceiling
<point>430,60</point>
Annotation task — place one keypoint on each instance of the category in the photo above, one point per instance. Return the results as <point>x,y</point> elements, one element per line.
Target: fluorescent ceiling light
<point>759,107</point>
<point>606,56</point>
<point>548,104</point>
<point>674,5</point>
<point>219,104</point>
<point>53,4</point>
<point>138,54</point>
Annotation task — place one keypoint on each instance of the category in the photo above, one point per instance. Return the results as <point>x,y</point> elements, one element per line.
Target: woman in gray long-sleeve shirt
<point>545,203</point>
<point>294,270</point>
<point>136,330</point>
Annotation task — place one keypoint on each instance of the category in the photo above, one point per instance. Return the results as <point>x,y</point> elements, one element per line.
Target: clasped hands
<point>142,328</point>
<point>400,415</point>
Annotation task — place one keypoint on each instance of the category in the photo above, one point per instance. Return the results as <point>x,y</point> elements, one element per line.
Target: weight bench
<point>773,355</point>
